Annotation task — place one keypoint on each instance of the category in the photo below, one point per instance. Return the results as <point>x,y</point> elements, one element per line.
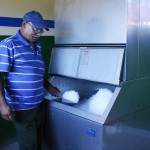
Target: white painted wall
<point>17,8</point>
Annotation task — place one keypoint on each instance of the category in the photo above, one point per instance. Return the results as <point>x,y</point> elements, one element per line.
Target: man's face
<point>31,33</point>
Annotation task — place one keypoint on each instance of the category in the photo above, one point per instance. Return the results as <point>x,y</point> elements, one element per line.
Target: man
<point>22,80</point>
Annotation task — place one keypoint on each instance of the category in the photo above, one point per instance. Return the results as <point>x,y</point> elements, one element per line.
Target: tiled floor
<point>15,146</point>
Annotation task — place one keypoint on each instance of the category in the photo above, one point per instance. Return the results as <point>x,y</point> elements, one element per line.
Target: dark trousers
<point>29,127</point>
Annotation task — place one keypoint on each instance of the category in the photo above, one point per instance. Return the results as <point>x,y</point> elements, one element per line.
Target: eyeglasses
<point>39,31</point>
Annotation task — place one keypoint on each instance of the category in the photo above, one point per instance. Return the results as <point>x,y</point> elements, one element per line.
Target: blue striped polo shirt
<point>23,72</point>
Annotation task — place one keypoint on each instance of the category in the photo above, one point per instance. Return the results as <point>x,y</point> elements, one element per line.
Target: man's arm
<point>5,110</point>
<point>51,89</point>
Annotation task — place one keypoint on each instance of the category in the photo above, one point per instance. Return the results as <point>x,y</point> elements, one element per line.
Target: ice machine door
<point>93,64</point>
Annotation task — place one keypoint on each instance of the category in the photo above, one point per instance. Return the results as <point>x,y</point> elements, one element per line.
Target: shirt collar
<point>23,40</point>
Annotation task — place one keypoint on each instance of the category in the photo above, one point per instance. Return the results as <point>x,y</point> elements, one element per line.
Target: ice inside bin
<point>70,97</point>
<point>97,103</point>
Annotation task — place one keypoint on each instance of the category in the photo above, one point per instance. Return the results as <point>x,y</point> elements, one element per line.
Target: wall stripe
<point>12,30</point>
<point>16,22</point>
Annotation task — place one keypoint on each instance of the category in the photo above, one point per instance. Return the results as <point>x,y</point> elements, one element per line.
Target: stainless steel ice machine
<point>73,126</point>
<point>87,59</point>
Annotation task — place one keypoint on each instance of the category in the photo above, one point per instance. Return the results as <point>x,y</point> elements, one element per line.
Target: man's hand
<point>6,111</point>
<point>54,91</point>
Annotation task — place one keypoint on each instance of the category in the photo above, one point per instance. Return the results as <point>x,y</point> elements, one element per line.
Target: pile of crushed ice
<point>97,103</point>
<point>70,97</point>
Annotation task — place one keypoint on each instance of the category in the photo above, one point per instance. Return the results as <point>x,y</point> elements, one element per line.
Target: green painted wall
<point>47,43</point>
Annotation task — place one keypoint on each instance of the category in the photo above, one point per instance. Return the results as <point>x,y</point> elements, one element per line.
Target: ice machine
<point>77,126</point>
<point>96,63</point>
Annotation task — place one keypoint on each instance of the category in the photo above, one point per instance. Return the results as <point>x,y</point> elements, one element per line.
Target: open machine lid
<point>94,64</point>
